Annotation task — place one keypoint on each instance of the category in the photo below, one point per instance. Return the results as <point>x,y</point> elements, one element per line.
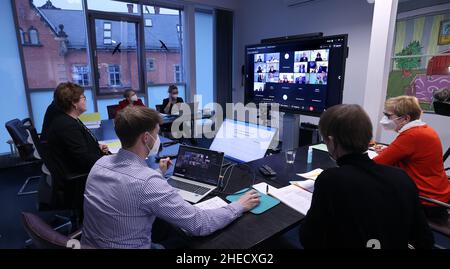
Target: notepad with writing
<point>266,201</point>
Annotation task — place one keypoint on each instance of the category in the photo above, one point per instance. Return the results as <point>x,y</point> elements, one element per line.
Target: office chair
<point>159,108</point>
<point>43,236</point>
<point>18,132</point>
<point>444,227</point>
<point>58,190</point>
<point>112,111</point>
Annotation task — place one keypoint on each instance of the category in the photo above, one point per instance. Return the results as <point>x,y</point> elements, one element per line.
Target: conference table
<point>249,230</point>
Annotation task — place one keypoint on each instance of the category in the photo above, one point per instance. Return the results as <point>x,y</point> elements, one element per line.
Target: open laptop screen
<point>201,165</point>
<point>243,141</point>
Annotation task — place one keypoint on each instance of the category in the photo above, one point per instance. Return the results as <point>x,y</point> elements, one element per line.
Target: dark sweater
<point>361,200</point>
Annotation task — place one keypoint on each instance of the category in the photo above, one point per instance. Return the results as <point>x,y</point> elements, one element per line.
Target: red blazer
<point>124,103</point>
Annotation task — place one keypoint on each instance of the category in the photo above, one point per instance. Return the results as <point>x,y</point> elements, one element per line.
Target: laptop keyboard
<point>187,186</point>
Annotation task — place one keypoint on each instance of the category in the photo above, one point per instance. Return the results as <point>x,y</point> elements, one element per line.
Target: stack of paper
<point>312,174</point>
<point>91,120</point>
<point>321,147</point>
<point>294,197</point>
<point>113,145</point>
<point>213,203</point>
<point>305,184</point>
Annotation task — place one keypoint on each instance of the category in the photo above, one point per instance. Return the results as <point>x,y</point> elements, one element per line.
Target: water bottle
<point>310,153</point>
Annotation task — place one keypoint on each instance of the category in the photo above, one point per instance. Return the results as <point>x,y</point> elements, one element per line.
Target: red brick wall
<point>46,68</point>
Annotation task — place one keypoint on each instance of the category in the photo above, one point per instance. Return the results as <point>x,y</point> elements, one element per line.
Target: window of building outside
<point>34,36</point>
<point>150,64</point>
<point>114,75</point>
<point>107,33</point>
<point>81,74</point>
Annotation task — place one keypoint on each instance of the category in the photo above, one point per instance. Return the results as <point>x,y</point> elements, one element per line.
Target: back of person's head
<point>404,106</point>
<point>349,125</point>
<point>131,122</point>
<point>66,94</point>
<point>128,93</point>
<point>172,87</point>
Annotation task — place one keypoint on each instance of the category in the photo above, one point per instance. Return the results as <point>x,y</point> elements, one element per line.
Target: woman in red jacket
<point>131,99</point>
<point>417,150</point>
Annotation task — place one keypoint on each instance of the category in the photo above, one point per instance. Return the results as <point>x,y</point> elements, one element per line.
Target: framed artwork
<point>444,33</point>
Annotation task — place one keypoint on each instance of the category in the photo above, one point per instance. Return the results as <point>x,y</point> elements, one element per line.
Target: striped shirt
<point>123,197</point>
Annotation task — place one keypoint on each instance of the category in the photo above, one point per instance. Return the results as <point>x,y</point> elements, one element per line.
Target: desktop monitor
<point>243,141</point>
<point>303,76</point>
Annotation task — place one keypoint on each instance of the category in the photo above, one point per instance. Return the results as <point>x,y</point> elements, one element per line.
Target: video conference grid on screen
<point>304,76</point>
<point>198,164</point>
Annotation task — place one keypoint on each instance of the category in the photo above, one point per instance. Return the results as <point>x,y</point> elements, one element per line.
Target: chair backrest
<point>159,108</point>
<point>112,110</point>
<point>42,235</point>
<point>17,130</point>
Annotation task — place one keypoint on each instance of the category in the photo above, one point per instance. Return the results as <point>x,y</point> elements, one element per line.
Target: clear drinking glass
<point>290,156</point>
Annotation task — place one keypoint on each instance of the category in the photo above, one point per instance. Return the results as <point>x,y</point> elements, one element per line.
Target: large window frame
<point>185,28</point>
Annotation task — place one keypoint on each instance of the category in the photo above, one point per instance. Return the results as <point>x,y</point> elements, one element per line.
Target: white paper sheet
<point>312,174</point>
<point>213,203</point>
<point>294,197</point>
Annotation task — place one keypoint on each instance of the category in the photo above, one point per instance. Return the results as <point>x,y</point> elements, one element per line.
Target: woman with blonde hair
<point>417,150</point>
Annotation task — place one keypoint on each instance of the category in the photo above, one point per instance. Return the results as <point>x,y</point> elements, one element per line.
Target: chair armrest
<point>76,234</point>
<point>436,202</point>
<point>76,177</point>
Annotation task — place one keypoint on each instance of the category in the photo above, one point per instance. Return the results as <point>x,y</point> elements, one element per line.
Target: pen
<point>267,189</point>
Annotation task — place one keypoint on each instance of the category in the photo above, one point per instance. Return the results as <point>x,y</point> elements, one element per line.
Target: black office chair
<point>159,108</point>
<point>112,111</point>
<point>45,237</point>
<point>58,190</point>
<point>439,227</point>
<point>18,132</point>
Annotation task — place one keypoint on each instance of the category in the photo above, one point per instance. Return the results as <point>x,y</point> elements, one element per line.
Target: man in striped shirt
<point>123,195</point>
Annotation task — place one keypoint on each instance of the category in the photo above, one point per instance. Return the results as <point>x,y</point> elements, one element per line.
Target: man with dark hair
<point>124,196</point>
<point>360,203</point>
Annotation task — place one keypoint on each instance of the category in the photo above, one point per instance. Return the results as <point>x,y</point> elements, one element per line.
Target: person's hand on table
<point>164,165</point>
<point>249,200</point>
<point>104,148</point>
<point>379,148</point>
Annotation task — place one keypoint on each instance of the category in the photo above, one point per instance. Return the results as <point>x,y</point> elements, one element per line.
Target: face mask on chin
<point>134,98</point>
<point>154,150</point>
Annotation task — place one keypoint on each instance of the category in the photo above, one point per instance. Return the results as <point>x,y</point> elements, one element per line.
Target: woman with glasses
<point>417,150</point>
<point>69,140</point>
<point>131,99</point>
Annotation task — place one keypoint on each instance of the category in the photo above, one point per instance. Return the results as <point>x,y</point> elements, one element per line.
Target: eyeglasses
<point>83,97</point>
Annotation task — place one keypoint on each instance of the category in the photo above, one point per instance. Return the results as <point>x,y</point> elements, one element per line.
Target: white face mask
<point>174,97</point>
<point>388,124</point>
<point>154,150</point>
<point>134,98</point>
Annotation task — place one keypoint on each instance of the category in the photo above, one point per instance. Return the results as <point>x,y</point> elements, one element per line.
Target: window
<point>148,23</point>
<point>177,73</point>
<point>107,33</point>
<point>150,63</point>
<point>22,36</point>
<point>114,75</point>
<point>34,36</point>
<point>80,75</point>
<point>163,46</point>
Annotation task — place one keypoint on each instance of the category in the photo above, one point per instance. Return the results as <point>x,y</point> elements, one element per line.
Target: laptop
<point>196,172</point>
